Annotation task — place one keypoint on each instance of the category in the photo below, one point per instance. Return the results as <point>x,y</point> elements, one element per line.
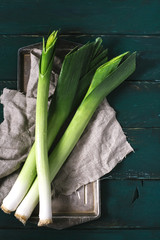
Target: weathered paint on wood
<point>9,85</point>
<point>132,101</point>
<point>144,162</point>
<point>41,234</point>
<point>130,208</point>
<point>123,17</point>
<point>148,53</point>
<point>128,204</point>
<point>147,64</point>
<point>125,204</point>
<point>137,104</point>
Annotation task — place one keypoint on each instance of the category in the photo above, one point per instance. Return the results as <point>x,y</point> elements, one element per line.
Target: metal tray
<point>83,205</point>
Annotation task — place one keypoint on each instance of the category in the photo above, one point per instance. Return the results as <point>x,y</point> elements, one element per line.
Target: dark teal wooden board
<point>116,17</point>
<point>144,162</point>
<point>131,234</point>
<point>141,97</point>
<point>148,52</point>
<point>125,204</point>
<point>130,193</point>
<point>137,104</point>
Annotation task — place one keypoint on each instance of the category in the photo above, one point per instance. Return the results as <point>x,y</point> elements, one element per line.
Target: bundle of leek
<point>80,66</point>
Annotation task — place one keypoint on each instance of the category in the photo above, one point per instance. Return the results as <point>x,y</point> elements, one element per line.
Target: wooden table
<point>131,192</point>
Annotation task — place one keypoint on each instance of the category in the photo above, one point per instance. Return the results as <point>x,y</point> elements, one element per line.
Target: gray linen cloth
<point>102,145</point>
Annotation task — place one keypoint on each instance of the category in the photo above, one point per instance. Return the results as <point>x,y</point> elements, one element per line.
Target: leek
<point>77,71</point>
<point>106,79</point>
<point>45,68</point>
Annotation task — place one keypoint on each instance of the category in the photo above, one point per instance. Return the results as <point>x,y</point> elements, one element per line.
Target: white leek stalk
<point>41,149</point>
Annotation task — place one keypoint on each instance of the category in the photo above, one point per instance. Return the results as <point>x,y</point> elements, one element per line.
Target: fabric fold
<point>102,146</point>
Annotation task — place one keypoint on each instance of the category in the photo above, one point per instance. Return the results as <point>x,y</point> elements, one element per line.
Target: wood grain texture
<point>144,162</point>
<point>41,234</point>
<point>130,193</point>
<point>85,16</point>
<point>126,204</point>
<point>130,204</point>
<point>137,104</point>
<point>148,53</point>
<point>9,85</point>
